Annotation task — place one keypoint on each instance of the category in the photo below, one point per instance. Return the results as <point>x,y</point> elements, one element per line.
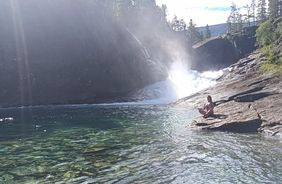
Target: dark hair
<point>209,96</point>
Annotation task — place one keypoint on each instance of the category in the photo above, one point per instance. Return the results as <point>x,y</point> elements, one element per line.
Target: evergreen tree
<point>261,11</point>
<point>273,8</point>
<point>207,32</point>
<point>239,24</point>
<point>279,8</point>
<point>253,11</point>
<point>123,7</point>
<point>178,25</point>
<point>192,33</point>
<point>164,10</point>
<point>234,21</point>
<point>247,16</point>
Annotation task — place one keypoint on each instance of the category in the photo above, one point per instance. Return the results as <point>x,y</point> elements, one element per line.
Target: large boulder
<point>68,51</point>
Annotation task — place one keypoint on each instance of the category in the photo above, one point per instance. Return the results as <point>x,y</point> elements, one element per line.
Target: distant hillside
<point>216,30</point>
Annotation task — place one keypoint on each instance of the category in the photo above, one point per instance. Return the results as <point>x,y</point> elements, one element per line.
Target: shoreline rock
<point>246,100</point>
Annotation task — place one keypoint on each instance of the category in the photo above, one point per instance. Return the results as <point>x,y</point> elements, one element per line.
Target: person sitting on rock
<point>207,110</point>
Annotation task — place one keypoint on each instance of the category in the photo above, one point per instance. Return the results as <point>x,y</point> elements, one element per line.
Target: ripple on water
<point>131,145</point>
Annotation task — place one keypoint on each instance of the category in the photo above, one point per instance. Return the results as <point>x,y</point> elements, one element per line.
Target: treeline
<point>254,14</point>
<point>190,31</point>
<point>148,23</point>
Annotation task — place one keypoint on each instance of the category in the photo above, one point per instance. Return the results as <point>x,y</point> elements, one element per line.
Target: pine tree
<point>261,11</point>
<point>207,34</point>
<point>178,25</point>
<point>247,16</point>
<point>240,24</point>
<point>253,11</point>
<point>273,8</point>
<point>279,8</point>
<point>164,10</point>
<point>192,33</point>
<point>234,20</point>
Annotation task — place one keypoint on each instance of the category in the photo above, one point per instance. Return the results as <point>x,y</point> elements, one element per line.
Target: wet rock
<point>232,117</point>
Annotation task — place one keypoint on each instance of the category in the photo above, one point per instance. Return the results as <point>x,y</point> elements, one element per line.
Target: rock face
<point>68,51</point>
<point>246,100</point>
<point>214,54</point>
<point>244,44</point>
<point>220,52</point>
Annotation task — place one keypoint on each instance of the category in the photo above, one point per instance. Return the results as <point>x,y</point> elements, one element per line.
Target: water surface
<point>120,144</point>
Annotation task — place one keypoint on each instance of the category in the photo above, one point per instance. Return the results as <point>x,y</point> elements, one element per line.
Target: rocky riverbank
<point>246,100</point>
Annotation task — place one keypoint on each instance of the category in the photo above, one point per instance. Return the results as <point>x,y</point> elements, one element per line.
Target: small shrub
<point>271,68</point>
<point>274,61</point>
<point>266,37</point>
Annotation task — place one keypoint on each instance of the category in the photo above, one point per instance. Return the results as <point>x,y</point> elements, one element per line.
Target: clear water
<point>149,144</point>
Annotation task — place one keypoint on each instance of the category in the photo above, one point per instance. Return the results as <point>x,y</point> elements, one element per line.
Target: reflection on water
<point>128,145</point>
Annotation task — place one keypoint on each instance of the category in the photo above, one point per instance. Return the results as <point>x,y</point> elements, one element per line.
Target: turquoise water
<point>119,144</point>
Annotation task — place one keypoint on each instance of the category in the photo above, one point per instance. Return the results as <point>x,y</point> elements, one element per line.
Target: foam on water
<point>180,83</point>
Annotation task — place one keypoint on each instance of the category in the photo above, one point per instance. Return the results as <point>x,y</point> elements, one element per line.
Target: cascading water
<point>180,83</point>
<point>144,49</point>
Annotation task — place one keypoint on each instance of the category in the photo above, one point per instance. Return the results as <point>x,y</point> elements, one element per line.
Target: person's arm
<point>209,112</point>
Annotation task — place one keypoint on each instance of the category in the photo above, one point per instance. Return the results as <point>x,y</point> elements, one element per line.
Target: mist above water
<point>181,83</point>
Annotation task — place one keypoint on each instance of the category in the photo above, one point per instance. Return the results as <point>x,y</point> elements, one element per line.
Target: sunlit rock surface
<point>246,100</point>
<point>232,117</point>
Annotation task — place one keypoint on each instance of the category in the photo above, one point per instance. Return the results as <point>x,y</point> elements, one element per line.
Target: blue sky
<point>203,12</point>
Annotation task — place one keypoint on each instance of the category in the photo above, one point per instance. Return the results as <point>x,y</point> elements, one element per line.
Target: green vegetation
<point>237,20</point>
<point>267,35</point>
<point>190,30</point>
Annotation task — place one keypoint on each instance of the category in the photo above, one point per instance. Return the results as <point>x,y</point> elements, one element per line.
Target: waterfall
<point>144,49</point>
<point>181,83</point>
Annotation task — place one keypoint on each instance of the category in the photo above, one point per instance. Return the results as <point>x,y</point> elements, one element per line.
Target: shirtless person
<point>207,110</point>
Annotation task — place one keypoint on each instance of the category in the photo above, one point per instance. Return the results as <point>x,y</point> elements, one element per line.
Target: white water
<point>180,83</point>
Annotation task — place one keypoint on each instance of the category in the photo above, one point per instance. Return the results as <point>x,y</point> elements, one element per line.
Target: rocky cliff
<point>213,54</point>
<point>220,52</point>
<point>69,51</point>
<point>246,100</point>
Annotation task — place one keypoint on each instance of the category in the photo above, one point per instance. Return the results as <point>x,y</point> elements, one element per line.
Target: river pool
<point>128,144</point>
